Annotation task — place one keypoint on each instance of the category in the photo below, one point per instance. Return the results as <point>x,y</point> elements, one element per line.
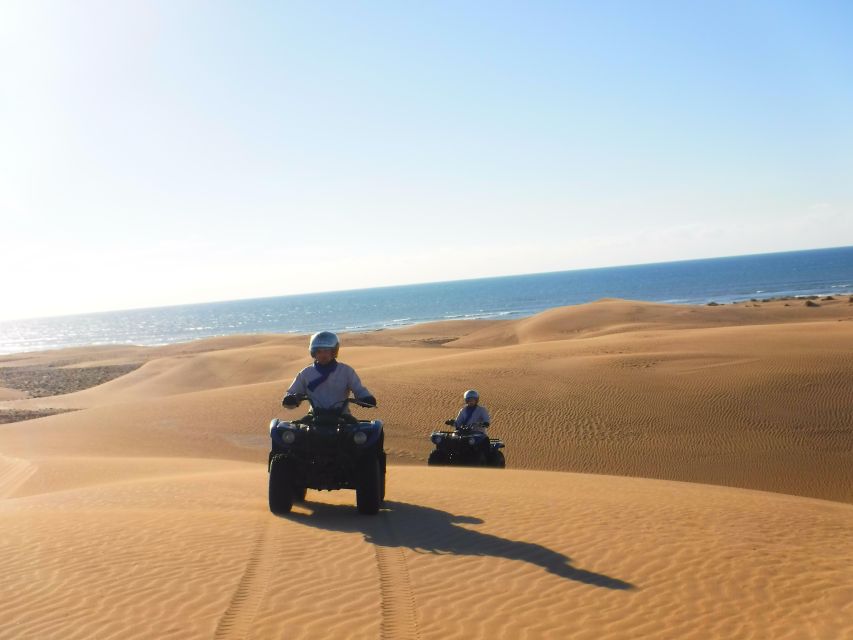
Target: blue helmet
<point>324,340</point>
<point>471,394</point>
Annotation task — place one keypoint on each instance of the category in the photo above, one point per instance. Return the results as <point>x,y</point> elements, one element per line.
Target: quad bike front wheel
<point>370,488</point>
<point>436,458</point>
<point>384,476</point>
<point>281,490</point>
<point>498,460</point>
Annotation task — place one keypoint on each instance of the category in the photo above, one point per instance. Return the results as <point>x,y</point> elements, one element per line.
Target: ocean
<point>796,273</point>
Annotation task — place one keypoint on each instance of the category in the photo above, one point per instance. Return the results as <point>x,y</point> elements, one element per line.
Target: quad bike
<point>466,445</point>
<point>327,449</point>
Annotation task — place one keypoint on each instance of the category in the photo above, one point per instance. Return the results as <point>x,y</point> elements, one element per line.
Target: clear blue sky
<point>158,153</point>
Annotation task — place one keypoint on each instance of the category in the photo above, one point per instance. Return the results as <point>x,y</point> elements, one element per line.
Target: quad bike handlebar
<point>338,406</point>
<point>466,427</point>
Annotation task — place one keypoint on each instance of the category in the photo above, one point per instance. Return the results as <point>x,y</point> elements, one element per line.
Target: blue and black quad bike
<point>327,449</point>
<point>466,445</point>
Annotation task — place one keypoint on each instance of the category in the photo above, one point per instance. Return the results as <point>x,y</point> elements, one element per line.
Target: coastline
<point>404,323</point>
<point>728,280</point>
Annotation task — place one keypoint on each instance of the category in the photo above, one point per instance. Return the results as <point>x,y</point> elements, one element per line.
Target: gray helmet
<point>324,340</point>
<point>471,394</point>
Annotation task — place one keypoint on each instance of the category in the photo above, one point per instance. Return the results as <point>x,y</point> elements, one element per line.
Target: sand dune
<point>142,513</point>
<point>192,552</point>
<point>607,317</point>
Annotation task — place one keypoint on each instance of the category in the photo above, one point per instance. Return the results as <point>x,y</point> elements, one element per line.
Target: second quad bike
<point>466,445</point>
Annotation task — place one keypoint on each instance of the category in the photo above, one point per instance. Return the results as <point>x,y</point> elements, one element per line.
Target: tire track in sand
<point>399,620</point>
<point>237,620</point>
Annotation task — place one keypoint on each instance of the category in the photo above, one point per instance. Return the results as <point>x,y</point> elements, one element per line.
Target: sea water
<point>797,273</point>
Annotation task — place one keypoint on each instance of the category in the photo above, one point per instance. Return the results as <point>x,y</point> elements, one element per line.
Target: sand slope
<point>143,513</point>
<point>190,551</point>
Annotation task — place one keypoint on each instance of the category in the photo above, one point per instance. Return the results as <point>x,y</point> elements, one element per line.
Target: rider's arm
<point>358,389</point>
<point>484,416</point>
<point>299,384</point>
<point>296,388</point>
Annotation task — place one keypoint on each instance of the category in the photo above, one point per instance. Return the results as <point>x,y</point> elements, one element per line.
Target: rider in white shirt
<point>326,382</point>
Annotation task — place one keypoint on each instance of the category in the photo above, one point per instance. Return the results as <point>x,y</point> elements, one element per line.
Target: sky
<point>156,153</point>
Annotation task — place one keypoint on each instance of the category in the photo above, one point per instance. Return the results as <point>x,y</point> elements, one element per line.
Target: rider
<point>472,415</point>
<point>327,382</point>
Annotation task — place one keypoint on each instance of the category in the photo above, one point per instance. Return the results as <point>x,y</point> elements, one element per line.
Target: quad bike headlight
<point>472,441</point>
<point>288,436</point>
<point>359,437</point>
<point>436,439</point>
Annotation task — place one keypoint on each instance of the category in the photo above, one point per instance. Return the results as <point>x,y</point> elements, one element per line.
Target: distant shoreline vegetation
<point>806,299</point>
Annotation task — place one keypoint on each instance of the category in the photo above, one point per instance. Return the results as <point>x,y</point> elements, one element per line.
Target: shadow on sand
<point>428,530</point>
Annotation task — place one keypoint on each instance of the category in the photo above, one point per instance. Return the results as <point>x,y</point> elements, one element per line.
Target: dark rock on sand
<point>43,381</point>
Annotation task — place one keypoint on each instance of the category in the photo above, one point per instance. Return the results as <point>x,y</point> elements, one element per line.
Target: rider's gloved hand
<point>450,423</point>
<point>291,401</point>
<point>485,424</point>
<point>368,400</point>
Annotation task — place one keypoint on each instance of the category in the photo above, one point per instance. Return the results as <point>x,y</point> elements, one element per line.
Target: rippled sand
<point>142,513</point>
